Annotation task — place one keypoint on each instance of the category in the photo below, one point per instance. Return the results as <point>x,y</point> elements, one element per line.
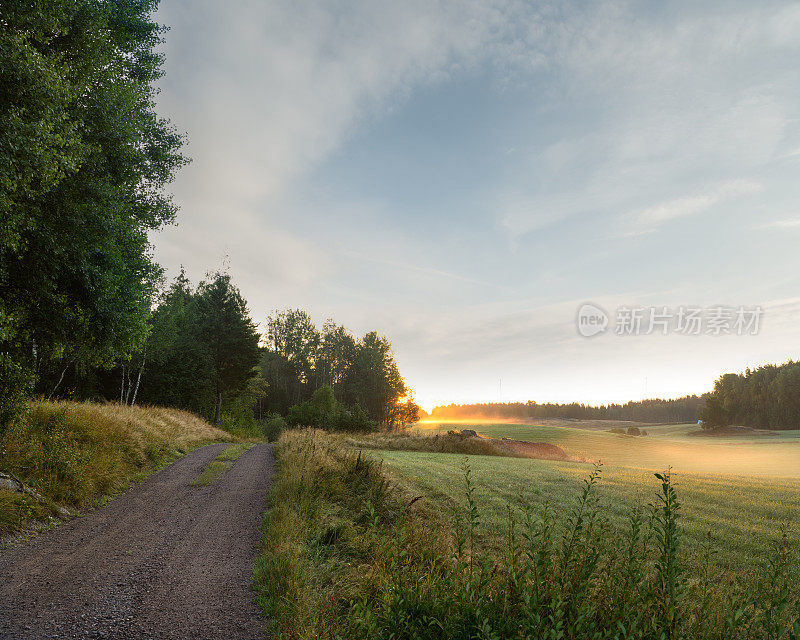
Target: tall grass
<point>73,452</point>
<point>450,442</point>
<point>347,555</point>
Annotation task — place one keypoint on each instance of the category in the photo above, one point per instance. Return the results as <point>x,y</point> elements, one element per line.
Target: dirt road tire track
<point>165,560</point>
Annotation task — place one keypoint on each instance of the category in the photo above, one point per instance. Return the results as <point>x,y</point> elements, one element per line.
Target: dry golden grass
<point>146,425</point>
<point>73,453</point>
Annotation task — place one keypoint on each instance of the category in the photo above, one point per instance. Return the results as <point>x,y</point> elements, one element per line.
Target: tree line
<point>767,398</point>
<point>84,162</point>
<point>686,409</point>
<point>204,353</point>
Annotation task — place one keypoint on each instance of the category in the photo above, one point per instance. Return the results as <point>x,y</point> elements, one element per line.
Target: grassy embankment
<point>531,549</point>
<point>75,453</point>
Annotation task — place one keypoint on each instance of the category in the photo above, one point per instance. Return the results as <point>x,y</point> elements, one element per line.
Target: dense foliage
<point>360,378</point>
<point>202,354</point>
<point>767,398</point>
<point>323,411</point>
<point>686,409</point>
<point>83,162</point>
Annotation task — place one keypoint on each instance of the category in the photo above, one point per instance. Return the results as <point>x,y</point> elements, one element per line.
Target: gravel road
<point>164,560</point>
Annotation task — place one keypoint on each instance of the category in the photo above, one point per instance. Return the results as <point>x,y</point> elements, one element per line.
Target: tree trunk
<point>128,392</point>
<point>122,386</point>
<point>58,384</point>
<point>35,355</point>
<point>138,379</point>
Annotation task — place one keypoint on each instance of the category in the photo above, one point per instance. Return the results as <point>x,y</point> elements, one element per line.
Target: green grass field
<point>365,541</point>
<point>761,455</point>
<point>739,491</point>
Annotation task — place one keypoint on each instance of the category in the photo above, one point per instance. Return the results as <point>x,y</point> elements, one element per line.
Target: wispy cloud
<point>426,271</point>
<point>649,219</point>
<point>607,115</point>
<point>789,223</point>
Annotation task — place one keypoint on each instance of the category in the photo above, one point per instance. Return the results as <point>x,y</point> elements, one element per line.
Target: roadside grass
<point>16,508</point>
<point>665,445</point>
<point>221,464</point>
<point>76,453</point>
<point>332,521</point>
<point>349,552</point>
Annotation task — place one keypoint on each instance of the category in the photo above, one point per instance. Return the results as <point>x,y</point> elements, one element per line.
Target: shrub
<point>323,411</point>
<point>272,426</point>
<point>13,383</point>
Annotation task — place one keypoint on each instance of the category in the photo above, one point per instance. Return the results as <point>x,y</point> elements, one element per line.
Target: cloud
<point>612,108</point>
<point>424,270</point>
<point>789,223</point>
<point>650,218</point>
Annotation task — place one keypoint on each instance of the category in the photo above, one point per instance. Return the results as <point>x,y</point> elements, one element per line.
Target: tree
<point>323,411</point>
<point>229,336</point>
<point>288,364</point>
<point>766,397</point>
<point>179,370</point>
<point>335,354</point>
<point>83,162</point>
<point>714,414</point>
<point>374,381</point>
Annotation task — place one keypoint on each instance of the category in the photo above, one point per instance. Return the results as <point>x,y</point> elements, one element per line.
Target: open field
<point>744,515</point>
<point>762,455</point>
<point>741,489</point>
<point>430,553</point>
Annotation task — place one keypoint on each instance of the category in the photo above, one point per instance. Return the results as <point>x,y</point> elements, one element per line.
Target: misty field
<point>772,455</point>
<point>725,486</point>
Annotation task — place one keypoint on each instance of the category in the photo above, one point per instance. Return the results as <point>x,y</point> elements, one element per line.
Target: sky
<point>462,176</point>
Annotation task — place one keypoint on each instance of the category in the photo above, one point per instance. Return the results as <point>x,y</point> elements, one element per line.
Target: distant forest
<point>686,409</point>
<point>765,398</point>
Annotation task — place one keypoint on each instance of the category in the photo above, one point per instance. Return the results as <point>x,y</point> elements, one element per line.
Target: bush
<point>634,431</point>
<point>272,426</point>
<point>237,418</point>
<point>323,411</point>
<point>14,381</point>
